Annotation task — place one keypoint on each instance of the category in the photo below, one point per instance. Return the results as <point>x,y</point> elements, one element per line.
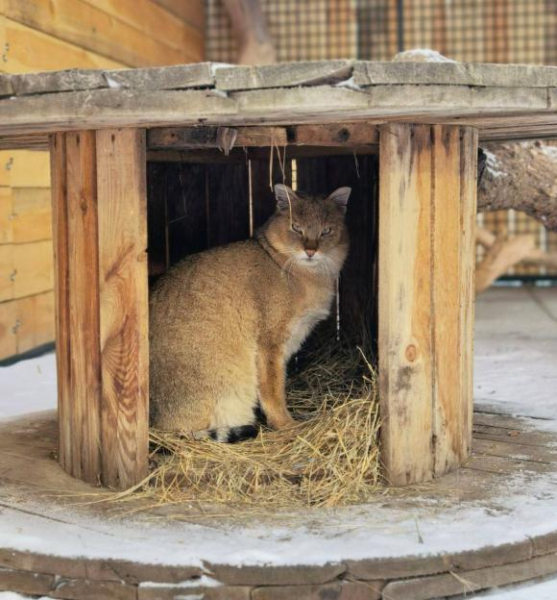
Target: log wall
<point>38,35</point>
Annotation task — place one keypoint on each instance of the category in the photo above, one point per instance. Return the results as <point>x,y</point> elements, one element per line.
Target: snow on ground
<point>516,349</point>
<point>516,354</point>
<point>28,386</point>
<point>546,590</point>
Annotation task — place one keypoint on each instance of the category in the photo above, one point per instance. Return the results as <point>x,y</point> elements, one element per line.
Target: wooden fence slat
<point>122,221</point>
<point>83,304</point>
<point>468,197</point>
<point>446,282</point>
<point>61,297</point>
<point>405,263</point>
<point>426,294</point>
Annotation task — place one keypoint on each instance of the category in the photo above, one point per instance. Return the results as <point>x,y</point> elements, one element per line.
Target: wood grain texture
<point>189,11</point>
<point>83,302</point>
<point>427,213</point>
<point>26,323</point>
<point>61,296</point>
<point>122,223</point>
<point>446,286</point>
<point>468,201</point>
<point>405,319</point>
<point>31,51</point>
<point>89,27</point>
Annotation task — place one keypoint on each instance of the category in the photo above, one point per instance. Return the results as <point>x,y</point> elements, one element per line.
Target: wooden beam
<point>427,207</point>
<point>99,206</point>
<point>213,137</point>
<point>123,300</point>
<point>83,305</point>
<point>347,135</point>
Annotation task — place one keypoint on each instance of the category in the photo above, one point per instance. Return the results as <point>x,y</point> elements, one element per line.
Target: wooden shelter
<point>423,121</point>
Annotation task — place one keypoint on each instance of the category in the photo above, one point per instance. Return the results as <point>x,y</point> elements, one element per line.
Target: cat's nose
<point>310,252</point>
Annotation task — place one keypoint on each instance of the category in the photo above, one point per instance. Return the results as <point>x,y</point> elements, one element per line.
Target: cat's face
<point>310,230</point>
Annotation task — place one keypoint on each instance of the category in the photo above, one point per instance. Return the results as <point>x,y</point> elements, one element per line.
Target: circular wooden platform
<point>420,543</point>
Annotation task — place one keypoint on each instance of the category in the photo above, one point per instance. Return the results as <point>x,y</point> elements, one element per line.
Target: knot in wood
<point>411,353</point>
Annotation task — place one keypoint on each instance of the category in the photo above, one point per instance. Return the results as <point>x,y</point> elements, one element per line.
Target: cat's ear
<point>341,196</point>
<point>284,196</point>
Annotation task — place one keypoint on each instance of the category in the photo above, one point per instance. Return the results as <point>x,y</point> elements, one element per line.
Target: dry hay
<point>329,458</point>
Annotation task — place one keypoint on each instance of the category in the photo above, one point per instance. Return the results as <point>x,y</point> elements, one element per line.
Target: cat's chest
<point>303,323</point>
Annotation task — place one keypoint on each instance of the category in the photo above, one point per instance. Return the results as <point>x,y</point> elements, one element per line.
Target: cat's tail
<point>229,435</point>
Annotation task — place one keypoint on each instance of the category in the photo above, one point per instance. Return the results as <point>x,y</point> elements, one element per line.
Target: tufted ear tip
<point>340,196</point>
<point>284,195</point>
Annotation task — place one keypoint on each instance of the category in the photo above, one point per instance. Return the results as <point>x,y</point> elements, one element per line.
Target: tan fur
<point>223,323</point>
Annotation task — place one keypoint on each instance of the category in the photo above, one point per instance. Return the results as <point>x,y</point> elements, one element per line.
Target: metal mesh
<point>504,31</point>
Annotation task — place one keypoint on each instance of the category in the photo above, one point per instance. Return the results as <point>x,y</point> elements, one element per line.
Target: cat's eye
<point>326,231</point>
<point>296,228</point>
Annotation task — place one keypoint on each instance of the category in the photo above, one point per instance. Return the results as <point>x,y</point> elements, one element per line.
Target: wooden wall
<point>42,35</point>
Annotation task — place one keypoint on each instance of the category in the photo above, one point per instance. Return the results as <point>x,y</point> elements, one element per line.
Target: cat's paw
<point>281,421</point>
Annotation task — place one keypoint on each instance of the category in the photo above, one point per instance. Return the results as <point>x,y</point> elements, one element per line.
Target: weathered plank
<point>405,316</point>
<point>71,80</point>
<point>210,137</point>
<point>283,75</point>
<point>367,73</point>
<point>6,88</point>
<point>122,231</point>
<point>426,298</point>
<point>102,108</point>
<point>446,283</point>
<point>58,164</point>
<point>348,134</point>
<point>438,586</point>
<point>178,77</point>
<point>467,260</point>
<point>83,306</point>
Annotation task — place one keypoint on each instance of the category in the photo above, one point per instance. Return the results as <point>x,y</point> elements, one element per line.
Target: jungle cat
<point>223,323</point>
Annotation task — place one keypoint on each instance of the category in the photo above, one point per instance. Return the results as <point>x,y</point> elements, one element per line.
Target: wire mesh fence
<point>500,31</point>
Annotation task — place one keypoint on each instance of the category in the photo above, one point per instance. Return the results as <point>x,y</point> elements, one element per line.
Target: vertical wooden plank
<point>157,220</point>
<point>184,190</point>
<point>358,298</point>
<point>122,220</point>
<point>83,295</point>
<point>446,282</point>
<point>405,319</point>
<point>227,203</point>
<point>468,201</point>
<point>61,297</point>
<point>263,195</point>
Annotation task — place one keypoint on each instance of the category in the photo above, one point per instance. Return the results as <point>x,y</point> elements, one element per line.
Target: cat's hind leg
<point>271,373</point>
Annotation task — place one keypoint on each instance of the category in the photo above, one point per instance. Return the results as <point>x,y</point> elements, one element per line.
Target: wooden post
<point>100,240</point>
<point>426,268</point>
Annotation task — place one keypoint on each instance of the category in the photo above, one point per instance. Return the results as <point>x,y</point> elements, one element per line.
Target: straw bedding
<point>329,458</point>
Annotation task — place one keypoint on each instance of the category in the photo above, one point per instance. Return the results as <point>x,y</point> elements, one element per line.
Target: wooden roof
<point>504,101</point>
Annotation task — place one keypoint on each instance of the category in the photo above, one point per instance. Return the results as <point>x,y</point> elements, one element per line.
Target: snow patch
<point>422,55</point>
<point>349,84</point>
<point>492,164</point>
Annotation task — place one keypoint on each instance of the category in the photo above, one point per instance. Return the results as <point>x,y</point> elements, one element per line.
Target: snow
<point>536,591</point>
<point>421,55</point>
<point>516,350</point>
<point>492,164</point>
<point>28,386</point>
<point>516,354</point>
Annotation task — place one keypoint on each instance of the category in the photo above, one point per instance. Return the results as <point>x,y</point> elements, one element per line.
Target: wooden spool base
<point>52,566</point>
